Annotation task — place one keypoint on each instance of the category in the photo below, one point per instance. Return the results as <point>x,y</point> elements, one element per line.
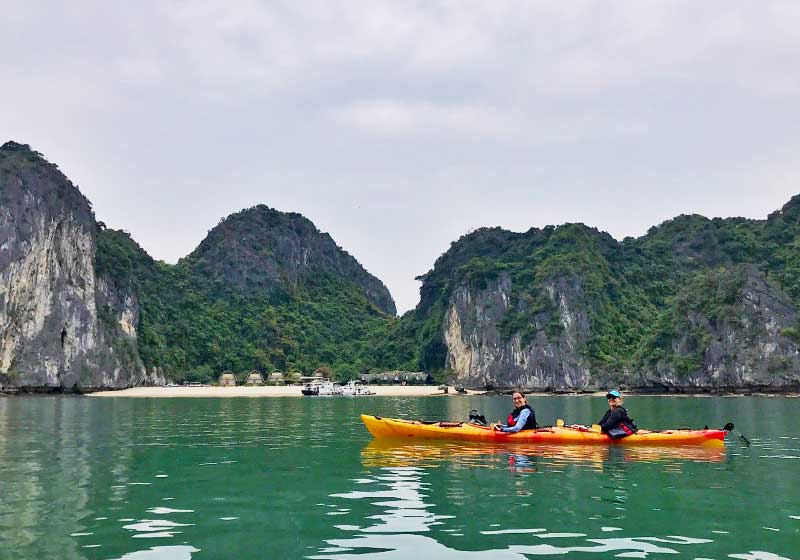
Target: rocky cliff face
<point>548,357</point>
<point>694,304</point>
<point>61,326</point>
<point>83,307</point>
<point>730,330</point>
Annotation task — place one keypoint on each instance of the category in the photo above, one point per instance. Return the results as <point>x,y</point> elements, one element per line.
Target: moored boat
<point>395,428</point>
<point>310,390</point>
<point>356,389</point>
<point>321,388</point>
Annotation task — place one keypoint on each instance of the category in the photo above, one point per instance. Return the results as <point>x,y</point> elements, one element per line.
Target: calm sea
<point>238,478</point>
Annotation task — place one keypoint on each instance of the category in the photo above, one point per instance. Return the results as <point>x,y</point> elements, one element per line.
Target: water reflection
<point>403,527</point>
<point>59,473</point>
<point>385,453</point>
<point>404,489</point>
<point>522,458</point>
<point>402,496</point>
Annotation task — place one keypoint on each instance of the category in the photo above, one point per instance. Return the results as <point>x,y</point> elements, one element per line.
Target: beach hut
<point>293,378</point>
<point>254,378</point>
<point>397,376</point>
<point>227,379</point>
<point>418,377</point>
<point>276,378</point>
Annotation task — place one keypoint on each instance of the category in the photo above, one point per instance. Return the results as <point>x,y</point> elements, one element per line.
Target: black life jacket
<point>530,424</point>
<point>625,428</point>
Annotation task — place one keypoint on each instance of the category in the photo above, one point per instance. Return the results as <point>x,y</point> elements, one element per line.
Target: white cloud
<point>475,123</point>
<point>411,119</point>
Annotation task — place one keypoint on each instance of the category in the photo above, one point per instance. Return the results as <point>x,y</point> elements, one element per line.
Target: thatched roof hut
<point>254,378</point>
<point>293,377</point>
<point>415,377</point>
<point>276,377</point>
<point>227,379</point>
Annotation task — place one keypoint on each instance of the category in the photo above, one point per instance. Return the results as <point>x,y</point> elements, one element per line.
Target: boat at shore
<point>356,389</point>
<point>321,389</point>
<point>329,388</point>
<point>394,428</point>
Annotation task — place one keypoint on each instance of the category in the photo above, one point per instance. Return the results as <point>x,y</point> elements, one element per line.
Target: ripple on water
<point>402,526</point>
<point>166,510</point>
<point>178,552</point>
<point>513,531</point>
<point>758,555</point>
<point>155,528</point>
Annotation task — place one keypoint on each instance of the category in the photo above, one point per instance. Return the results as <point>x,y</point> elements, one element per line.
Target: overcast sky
<point>399,126</point>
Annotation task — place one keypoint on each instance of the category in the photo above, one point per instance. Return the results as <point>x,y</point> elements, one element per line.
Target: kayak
<point>394,428</point>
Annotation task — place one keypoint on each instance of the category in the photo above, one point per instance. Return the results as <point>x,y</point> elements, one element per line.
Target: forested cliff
<point>62,323</point>
<point>83,307</point>
<point>695,304</point>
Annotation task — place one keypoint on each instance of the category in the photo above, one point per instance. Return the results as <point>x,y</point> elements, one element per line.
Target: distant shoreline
<point>379,390</point>
<point>270,391</point>
<point>387,391</point>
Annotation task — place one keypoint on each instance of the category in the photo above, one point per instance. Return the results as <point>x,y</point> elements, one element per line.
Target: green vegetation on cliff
<point>635,294</point>
<point>193,324</point>
<point>266,290</point>
<point>242,301</point>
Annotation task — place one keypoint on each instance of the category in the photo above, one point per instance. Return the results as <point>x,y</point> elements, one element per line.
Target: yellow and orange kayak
<point>393,428</point>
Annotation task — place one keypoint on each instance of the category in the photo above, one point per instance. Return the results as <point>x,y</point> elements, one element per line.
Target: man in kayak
<point>523,417</point>
<point>616,422</point>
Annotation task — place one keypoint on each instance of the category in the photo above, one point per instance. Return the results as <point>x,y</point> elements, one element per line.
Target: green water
<point>149,479</point>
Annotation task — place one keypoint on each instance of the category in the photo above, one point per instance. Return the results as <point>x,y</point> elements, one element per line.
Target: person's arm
<point>523,417</point>
<point>612,419</point>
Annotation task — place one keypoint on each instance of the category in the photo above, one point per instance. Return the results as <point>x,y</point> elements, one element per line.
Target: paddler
<point>523,417</point>
<point>616,422</point>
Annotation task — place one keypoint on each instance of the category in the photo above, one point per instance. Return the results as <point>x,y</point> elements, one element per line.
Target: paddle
<point>729,427</point>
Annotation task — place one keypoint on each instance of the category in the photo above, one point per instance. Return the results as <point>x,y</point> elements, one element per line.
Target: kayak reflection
<point>394,453</point>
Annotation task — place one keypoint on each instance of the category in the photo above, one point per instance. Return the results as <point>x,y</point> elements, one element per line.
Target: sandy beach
<point>380,391</point>
<point>269,391</point>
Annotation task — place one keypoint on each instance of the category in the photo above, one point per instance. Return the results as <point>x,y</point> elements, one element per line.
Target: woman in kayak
<point>523,417</point>
<point>616,422</point>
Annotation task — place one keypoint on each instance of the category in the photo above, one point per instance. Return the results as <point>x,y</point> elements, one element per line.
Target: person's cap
<point>613,394</point>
